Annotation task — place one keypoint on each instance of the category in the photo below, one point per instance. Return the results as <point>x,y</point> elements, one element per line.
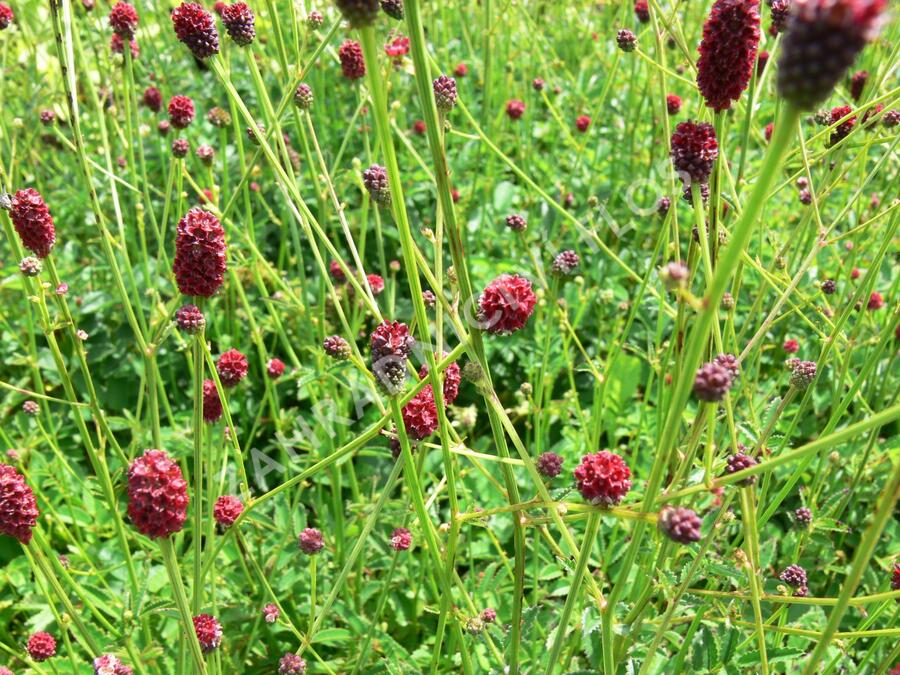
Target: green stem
<point>181,601</point>
<point>584,555</point>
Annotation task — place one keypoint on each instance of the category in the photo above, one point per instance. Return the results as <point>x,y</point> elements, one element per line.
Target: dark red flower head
<point>566,263</point>
<point>196,28</point>
<point>311,541</point>
<point>41,646</point>
<point>190,319</point>
<point>549,464</point>
<point>515,109</point>
<point>642,10</point>
<point>712,382</point>
<point>420,415</point>
<point>181,111</point>
<point>679,524</point>
<point>802,373</point>
<point>583,123</point>
<point>452,379</point>
<point>842,130</point>
<point>875,302</point>
<point>603,478</point>
<point>358,13</point>
<point>212,404</point>
<point>353,65</point>
<point>694,150</point>
<point>180,147</point>
<point>334,269</point>
<point>793,575</point>
<point>239,22</point>
<point>271,613</point>
<point>314,20</point>
<point>822,41</point>
<point>803,515</point>
<point>33,222</point>
<point>227,509</point>
<point>209,632</point>
<point>779,10</point>
<point>673,104</point>
<point>303,96</point>
<point>123,18</point>
<point>730,363</point>
<point>336,347</point>
<point>375,180</point>
<point>110,664</point>
<point>393,8</point>
<point>505,304</point>
<point>461,70</point>
<point>291,664</point>
<point>152,99</point>
<point>157,495</point>
<point>626,40</point>
<point>391,346</point>
<point>516,222</point>
<point>199,253</point>
<point>444,93</point>
<point>401,539</point>
<point>232,367</point>
<point>728,51</point>
<point>18,508</point>
<point>275,368</point>
<point>738,462</point>
<point>6,16</point>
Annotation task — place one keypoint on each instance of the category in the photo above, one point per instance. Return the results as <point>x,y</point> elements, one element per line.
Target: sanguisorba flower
<point>452,379</point>
<point>311,541</point>
<point>18,507</point>
<point>199,253</point>
<point>209,632</point>
<point>41,646</point>
<point>445,93</point>
<point>603,478</point>
<point>227,510</point>
<point>123,19</point>
<point>401,539</point>
<point>375,180</point>
<point>393,8</point>
<point>232,367</point>
<point>358,13</point>
<point>152,99</point>
<point>694,150</point>
<point>728,51</point>
<point>239,21</point>
<point>420,415</point>
<point>181,111</point>
<point>391,346</point>
<point>157,495</point>
<point>353,64</point>
<point>822,40</point>
<point>506,304</point>
<point>212,404</point>
<point>196,28</point>
<point>6,16</point>
<point>33,222</point>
